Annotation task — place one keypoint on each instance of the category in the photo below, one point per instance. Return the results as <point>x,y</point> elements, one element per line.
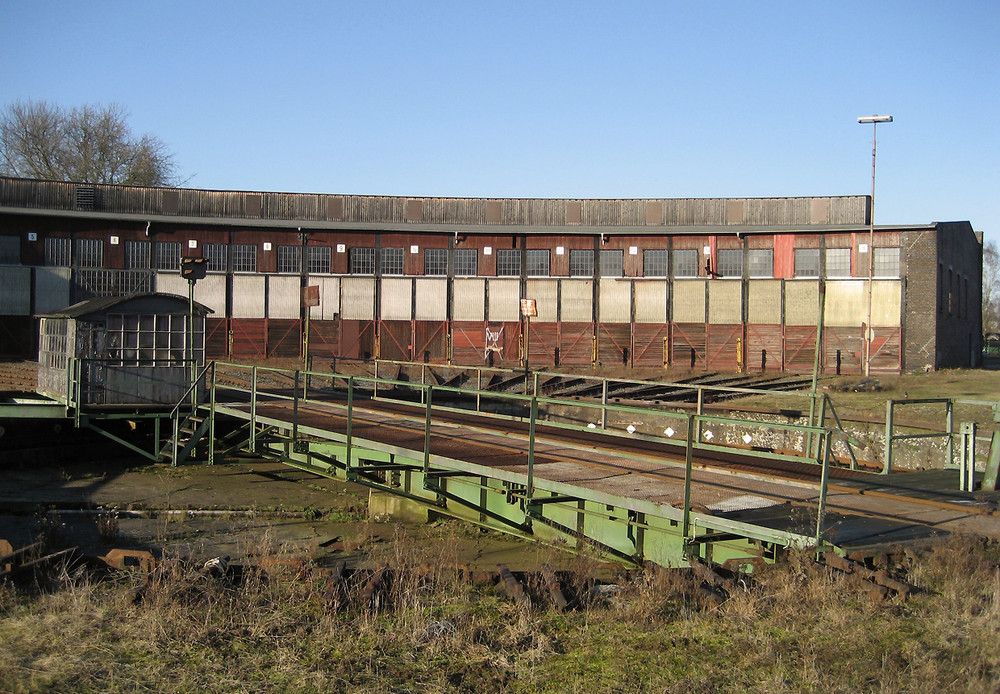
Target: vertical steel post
<point>604,403</point>
<point>887,464</point>
<point>295,408</point>
<point>427,430</point>
<point>350,419</point>
<point>253,409</point>
<point>211,420</point>
<point>530,493</point>
<point>949,422</point>
<point>688,465</point>
<point>823,485</point>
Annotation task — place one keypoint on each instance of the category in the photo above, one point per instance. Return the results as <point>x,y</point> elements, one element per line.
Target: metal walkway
<point>528,465</point>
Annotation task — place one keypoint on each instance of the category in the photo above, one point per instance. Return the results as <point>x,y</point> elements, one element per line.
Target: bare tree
<point>85,144</point>
<point>991,288</point>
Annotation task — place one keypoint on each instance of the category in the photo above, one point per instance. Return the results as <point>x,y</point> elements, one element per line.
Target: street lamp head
<point>875,119</point>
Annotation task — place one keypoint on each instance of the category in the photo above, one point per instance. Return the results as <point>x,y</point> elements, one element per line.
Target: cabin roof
<point>156,301</point>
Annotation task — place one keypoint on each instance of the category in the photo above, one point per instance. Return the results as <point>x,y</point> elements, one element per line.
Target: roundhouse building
<point>710,284</point>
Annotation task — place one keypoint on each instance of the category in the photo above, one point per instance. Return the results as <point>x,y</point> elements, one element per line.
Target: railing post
<point>350,420</point>
<point>949,422</point>
<point>427,430</point>
<point>295,408</point>
<point>701,400</point>
<point>253,409</point>
<point>211,420</point>
<point>688,465</point>
<point>375,383</point>
<point>604,403</point>
<point>530,491</point>
<point>479,388</point>
<point>887,464</point>
<point>823,484</point>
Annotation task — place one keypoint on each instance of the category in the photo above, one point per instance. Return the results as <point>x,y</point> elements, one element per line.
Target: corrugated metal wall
<point>51,288</point>
<point>284,297</point>
<point>15,291</point>
<point>504,300</point>
<point>801,302</point>
<point>725,302</point>
<point>469,300</point>
<point>329,298</point>
<point>576,301</point>
<point>689,301</point>
<point>546,296</point>
<point>431,300</point>
<point>358,298</point>
<point>248,296</point>
<point>651,301</point>
<point>764,302</point>
<point>616,301</point>
<point>397,298</point>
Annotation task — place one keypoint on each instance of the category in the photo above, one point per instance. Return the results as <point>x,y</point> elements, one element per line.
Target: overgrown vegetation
<point>795,627</point>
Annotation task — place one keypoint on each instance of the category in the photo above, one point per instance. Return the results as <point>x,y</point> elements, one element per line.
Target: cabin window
<point>244,257</point>
<point>466,261</point>
<point>838,262</point>
<point>290,259</point>
<point>887,262</point>
<point>654,262</point>
<point>807,262</point>
<point>361,261</point>
<point>215,254</point>
<point>318,259</point>
<point>168,255</point>
<point>10,250</point>
<point>730,262</point>
<point>581,262</point>
<point>149,340</point>
<point>509,262</point>
<point>89,253</point>
<point>537,262</point>
<point>391,261</point>
<point>53,343</point>
<point>760,262</point>
<point>435,261</point>
<point>686,263</point>
<point>612,263</point>
<point>57,252</point>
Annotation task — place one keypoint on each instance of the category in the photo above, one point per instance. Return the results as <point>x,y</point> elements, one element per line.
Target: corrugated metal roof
<point>104,304</point>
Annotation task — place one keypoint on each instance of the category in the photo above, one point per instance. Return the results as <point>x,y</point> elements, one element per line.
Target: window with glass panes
<point>509,262</point>
<point>760,262</point>
<point>838,262</point>
<point>807,262</point>
<point>887,262</point>
<point>134,340</point>
<point>215,255</point>
<point>392,261</point>
<point>168,255</point>
<point>10,250</point>
<point>137,255</point>
<point>686,263</point>
<point>361,261</point>
<point>57,252</point>
<point>730,262</point>
<point>289,259</point>
<point>654,262</point>
<point>536,262</point>
<point>581,262</point>
<point>435,261</point>
<point>244,257</point>
<point>318,259</point>
<point>612,263</point>
<point>89,253</point>
<point>466,261</point>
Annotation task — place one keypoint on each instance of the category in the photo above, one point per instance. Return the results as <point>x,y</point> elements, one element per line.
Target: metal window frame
<point>244,257</point>
<point>391,261</point>
<point>682,266</point>
<point>289,260</point>
<point>361,260</point>
<point>729,262</point>
<point>533,262</point>
<point>835,262</point>
<point>581,262</point>
<point>801,268</point>
<point>436,261</point>
<point>656,258</point>
<point>319,260</point>
<point>466,262</point>
<point>508,262</point>
<point>755,259</point>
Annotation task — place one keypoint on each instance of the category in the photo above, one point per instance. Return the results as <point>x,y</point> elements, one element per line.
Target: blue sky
<point>542,99</point>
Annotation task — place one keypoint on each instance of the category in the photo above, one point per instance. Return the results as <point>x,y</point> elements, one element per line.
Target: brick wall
<point>918,265</point>
<point>959,315</point>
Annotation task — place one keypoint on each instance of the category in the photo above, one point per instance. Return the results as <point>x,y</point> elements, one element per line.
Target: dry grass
<point>793,628</point>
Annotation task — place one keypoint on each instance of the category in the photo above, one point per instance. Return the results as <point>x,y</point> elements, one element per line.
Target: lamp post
<point>874,120</point>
